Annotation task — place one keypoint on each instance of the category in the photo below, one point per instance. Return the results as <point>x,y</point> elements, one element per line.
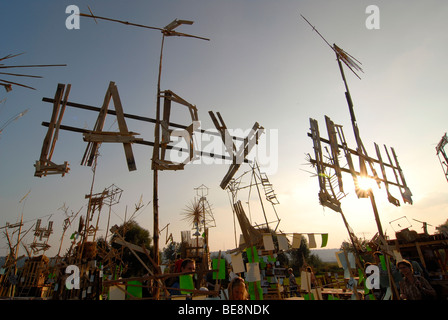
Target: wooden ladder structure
<point>268,189</point>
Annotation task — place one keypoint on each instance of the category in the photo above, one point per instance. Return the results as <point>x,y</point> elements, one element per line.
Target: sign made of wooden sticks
<point>160,161</point>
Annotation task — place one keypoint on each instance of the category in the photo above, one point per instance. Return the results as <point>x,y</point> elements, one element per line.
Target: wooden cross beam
<point>150,143</point>
<point>327,185</point>
<point>134,117</point>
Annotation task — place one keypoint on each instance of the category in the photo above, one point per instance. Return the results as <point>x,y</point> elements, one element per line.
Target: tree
<point>302,255</point>
<point>169,252</point>
<point>443,228</point>
<point>133,233</point>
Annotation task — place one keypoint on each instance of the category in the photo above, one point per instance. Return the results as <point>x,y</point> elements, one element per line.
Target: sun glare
<point>365,183</point>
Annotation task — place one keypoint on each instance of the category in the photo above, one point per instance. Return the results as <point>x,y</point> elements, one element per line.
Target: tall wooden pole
<point>393,287</point>
<point>155,155</point>
<point>154,166</point>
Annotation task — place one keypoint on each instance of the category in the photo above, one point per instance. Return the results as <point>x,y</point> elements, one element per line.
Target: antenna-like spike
<point>345,57</point>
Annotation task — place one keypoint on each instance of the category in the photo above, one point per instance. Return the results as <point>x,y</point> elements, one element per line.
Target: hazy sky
<point>263,64</point>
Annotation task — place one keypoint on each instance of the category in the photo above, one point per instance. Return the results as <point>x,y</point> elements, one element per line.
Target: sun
<point>365,183</point>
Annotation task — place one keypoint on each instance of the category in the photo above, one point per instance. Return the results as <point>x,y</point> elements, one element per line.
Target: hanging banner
<point>296,240</point>
<point>268,243</point>
<point>324,240</point>
<point>312,241</point>
<point>282,242</point>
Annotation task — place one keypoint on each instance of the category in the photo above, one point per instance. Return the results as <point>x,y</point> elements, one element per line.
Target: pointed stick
<point>164,31</point>
<point>341,54</point>
<point>19,75</point>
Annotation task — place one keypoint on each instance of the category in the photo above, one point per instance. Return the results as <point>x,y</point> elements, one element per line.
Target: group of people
<point>412,285</point>
<point>407,276</point>
<point>237,288</point>
<point>294,287</point>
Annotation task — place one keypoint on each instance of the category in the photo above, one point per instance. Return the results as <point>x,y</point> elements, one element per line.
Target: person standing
<point>187,266</point>
<point>292,283</point>
<point>414,287</point>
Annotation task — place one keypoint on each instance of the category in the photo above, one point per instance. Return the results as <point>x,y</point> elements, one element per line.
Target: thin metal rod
<point>314,29</point>
<point>346,57</point>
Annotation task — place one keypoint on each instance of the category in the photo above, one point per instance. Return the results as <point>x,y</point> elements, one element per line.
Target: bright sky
<point>263,64</point>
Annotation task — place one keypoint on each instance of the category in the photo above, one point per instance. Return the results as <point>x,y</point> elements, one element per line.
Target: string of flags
<point>284,244</point>
<point>312,241</point>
